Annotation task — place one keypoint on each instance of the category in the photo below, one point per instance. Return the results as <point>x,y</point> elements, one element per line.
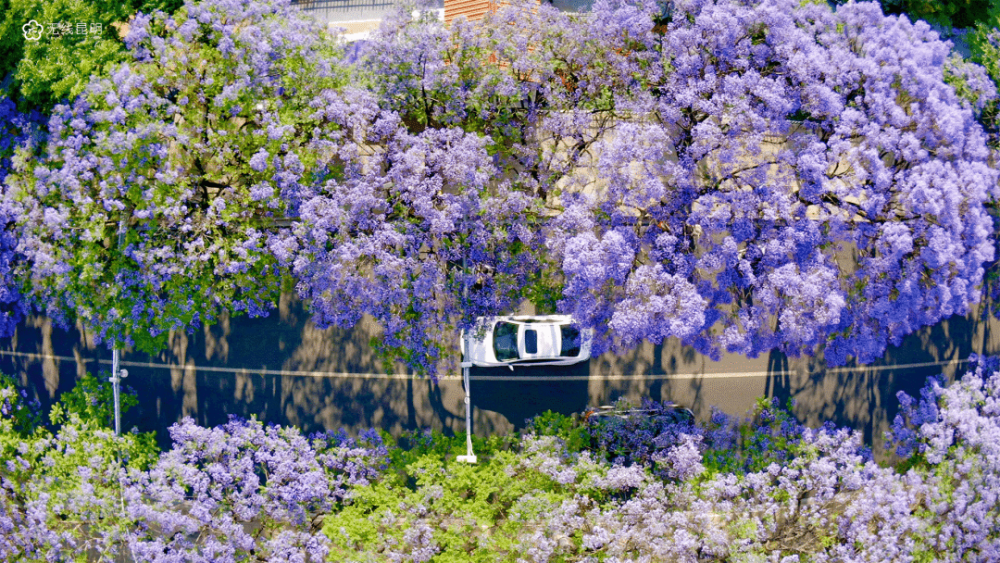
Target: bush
<point>77,492</point>
<point>19,417</point>
<point>760,488</point>
<point>92,399</point>
<point>627,439</point>
<point>244,490</point>
<point>61,487</point>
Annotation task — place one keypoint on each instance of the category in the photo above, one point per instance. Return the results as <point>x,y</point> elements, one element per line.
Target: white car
<point>548,340</point>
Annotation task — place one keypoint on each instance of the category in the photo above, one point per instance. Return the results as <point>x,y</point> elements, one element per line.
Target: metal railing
<point>351,10</point>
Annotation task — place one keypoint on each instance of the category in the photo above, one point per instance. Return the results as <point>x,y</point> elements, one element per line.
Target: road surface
<point>283,369</point>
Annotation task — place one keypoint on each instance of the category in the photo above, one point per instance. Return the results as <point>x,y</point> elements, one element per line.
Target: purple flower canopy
<point>760,175</point>
<point>16,130</point>
<point>191,149</point>
<point>799,176</point>
<point>745,175</point>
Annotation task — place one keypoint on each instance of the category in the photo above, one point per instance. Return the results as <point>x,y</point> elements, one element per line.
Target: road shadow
<point>199,379</point>
<point>517,397</point>
<point>194,376</point>
<point>864,397</point>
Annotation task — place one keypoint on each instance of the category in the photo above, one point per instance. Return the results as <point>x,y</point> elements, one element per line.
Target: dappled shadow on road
<point>516,397</point>
<point>864,397</point>
<point>199,379</point>
<point>195,376</point>
<point>46,359</point>
<point>632,375</point>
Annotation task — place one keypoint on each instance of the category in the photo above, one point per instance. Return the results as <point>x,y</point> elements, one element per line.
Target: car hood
<point>481,350</point>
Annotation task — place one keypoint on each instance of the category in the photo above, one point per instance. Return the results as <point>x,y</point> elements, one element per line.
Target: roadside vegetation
<point>196,159</point>
<point>651,488</point>
<point>741,175</point>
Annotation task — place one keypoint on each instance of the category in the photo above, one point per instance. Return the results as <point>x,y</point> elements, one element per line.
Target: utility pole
<point>116,374</point>
<point>469,456</point>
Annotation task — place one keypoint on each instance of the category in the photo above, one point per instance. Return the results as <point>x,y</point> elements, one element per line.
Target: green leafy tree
<point>57,65</point>
<point>984,43</point>
<point>948,13</point>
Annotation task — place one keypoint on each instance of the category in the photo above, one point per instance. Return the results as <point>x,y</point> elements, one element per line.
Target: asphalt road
<point>282,369</point>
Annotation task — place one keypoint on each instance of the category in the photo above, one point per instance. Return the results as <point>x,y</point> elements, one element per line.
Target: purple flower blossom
<point>216,481</point>
<point>160,148</point>
<point>759,162</point>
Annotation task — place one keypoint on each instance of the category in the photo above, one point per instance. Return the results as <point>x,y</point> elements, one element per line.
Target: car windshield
<point>505,341</point>
<point>570,341</point>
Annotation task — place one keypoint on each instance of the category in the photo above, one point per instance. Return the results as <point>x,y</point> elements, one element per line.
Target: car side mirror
<point>511,367</point>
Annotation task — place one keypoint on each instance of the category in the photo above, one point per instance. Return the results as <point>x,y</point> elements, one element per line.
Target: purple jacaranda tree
<point>453,150</point>
<point>16,130</point>
<point>243,492</point>
<point>746,176</point>
<point>192,149</point>
<point>779,176</point>
<point>418,211</point>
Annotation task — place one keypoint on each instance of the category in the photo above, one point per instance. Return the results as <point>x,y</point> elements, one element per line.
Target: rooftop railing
<point>350,10</point>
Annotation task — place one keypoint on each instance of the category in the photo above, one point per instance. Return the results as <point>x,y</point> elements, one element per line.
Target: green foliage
<point>769,434</point>
<point>478,513</point>
<point>18,416</point>
<point>415,445</point>
<point>568,428</point>
<point>58,67</point>
<point>545,289</point>
<point>92,400</point>
<point>915,461</point>
<point>984,44</point>
<point>947,13</point>
<point>73,470</point>
<point>86,409</point>
<point>90,404</point>
<point>74,473</point>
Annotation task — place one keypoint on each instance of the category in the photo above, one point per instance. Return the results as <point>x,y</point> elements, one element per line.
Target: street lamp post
<point>469,456</point>
<point>116,374</point>
<point>116,378</point>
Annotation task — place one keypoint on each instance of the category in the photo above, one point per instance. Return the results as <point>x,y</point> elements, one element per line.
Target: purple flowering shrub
<point>806,495</point>
<point>238,492</point>
<point>659,436</point>
<point>770,433</point>
<point>951,436</point>
<point>830,502</point>
<point>639,438</point>
<point>61,488</point>
<point>245,491</point>
<point>193,148</point>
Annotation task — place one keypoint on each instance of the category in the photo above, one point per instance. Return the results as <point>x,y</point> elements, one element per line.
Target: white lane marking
<point>398,376</point>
